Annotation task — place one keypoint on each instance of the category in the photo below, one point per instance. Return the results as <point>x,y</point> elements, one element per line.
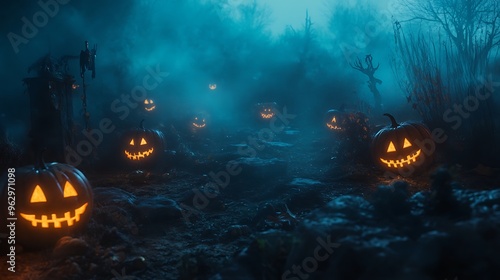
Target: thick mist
<point>247,48</point>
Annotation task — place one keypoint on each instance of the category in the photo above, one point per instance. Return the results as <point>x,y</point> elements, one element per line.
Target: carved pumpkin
<point>396,146</point>
<point>149,105</point>
<point>212,86</point>
<point>199,122</point>
<point>52,200</point>
<point>266,111</point>
<point>335,120</point>
<point>143,145</point>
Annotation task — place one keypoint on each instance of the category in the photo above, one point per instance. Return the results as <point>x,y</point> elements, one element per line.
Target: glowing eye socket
<point>69,190</point>
<point>334,119</point>
<point>132,142</point>
<point>38,195</point>
<point>143,141</point>
<point>146,101</point>
<point>391,147</point>
<point>407,143</point>
<point>196,118</point>
<point>151,101</point>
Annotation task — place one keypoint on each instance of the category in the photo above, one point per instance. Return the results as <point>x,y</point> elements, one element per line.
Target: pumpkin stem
<point>39,163</point>
<point>141,126</point>
<point>394,124</point>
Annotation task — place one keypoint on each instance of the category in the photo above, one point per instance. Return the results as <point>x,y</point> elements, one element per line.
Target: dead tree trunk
<point>372,81</point>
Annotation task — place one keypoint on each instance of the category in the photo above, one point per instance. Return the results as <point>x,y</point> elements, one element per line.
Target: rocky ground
<point>298,209</point>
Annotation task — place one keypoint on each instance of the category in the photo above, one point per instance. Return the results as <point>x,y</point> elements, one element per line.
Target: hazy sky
<point>292,12</point>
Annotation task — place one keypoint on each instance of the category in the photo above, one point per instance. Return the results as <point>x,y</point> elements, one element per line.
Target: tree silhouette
<point>369,71</point>
<point>472,25</point>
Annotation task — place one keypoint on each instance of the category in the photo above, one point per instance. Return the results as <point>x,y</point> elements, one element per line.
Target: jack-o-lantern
<point>149,105</point>
<point>266,111</point>
<point>143,145</point>
<point>335,120</point>
<point>199,122</point>
<point>212,86</point>
<point>398,147</point>
<point>52,200</point>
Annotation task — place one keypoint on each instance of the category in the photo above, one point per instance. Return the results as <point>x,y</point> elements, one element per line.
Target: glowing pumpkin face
<point>199,122</point>
<point>212,86</point>
<point>267,113</point>
<point>149,105</point>
<point>266,110</point>
<point>141,145</point>
<point>335,120</point>
<point>395,147</point>
<point>52,201</point>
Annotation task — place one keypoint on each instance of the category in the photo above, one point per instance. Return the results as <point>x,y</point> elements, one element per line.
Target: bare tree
<point>472,25</point>
<point>372,81</point>
<point>447,64</point>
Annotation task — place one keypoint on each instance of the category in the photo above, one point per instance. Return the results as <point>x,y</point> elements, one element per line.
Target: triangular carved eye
<point>69,190</point>
<point>143,141</point>
<point>334,120</point>
<point>406,144</point>
<point>151,101</point>
<point>132,142</point>
<point>38,195</point>
<point>146,101</point>
<point>391,147</point>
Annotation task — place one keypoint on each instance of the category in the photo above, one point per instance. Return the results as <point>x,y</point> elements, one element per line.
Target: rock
<point>138,177</point>
<point>482,202</point>
<point>68,246</point>
<point>304,182</point>
<point>236,231</point>
<point>115,216</point>
<point>271,217</point>
<point>442,200</point>
<point>156,209</point>
<point>69,270</point>
<point>136,263</point>
<point>255,170</point>
<point>308,198</point>
<point>269,247</point>
<point>291,132</point>
<point>391,201</point>
<point>113,237</point>
<point>278,144</point>
<point>115,196</point>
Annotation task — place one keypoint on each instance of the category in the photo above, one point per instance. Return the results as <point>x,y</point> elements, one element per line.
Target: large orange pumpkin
<point>51,201</point>
<point>396,147</point>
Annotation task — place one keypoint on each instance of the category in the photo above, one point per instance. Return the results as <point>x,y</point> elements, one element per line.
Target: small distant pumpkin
<point>149,105</point>
<point>142,145</point>
<point>335,120</point>
<point>199,122</point>
<point>52,200</point>
<point>266,111</point>
<point>212,86</point>
<point>395,146</point>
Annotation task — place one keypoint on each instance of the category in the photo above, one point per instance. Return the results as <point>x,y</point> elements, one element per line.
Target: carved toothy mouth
<point>199,125</point>
<point>139,155</point>
<point>150,108</point>
<point>401,162</point>
<point>333,127</point>
<point>45,221</point>
<point>267,116</point>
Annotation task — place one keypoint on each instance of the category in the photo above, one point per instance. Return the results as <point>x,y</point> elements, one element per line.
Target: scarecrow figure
<point>87,60</point>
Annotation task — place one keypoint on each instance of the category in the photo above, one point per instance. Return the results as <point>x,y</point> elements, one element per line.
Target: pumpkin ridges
<point>401,158</point>
<point>137,154</point>
<point>51,181</point>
